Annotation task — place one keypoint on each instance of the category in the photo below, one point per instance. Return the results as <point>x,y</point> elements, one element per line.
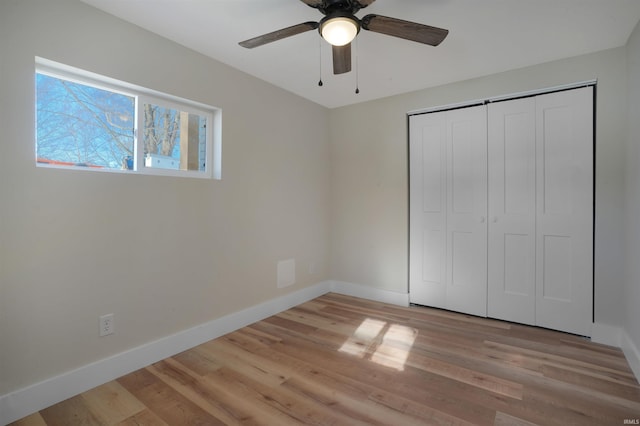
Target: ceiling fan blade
<point>313,3</point>
<point>341,59</point>
<point>404,29</point>
<point>279,34</point>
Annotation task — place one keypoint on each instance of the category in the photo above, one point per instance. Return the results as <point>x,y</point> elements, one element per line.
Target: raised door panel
<point>564,237</point>
<point>512,197</point>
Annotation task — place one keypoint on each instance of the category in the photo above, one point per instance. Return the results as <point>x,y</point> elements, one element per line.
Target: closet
<point>501,210</point>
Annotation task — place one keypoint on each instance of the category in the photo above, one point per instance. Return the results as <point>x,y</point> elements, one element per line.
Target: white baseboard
<point>23,402</point>
<point>33,398</point>
<point>38,396</point>
<point>371,293</point>
<point>616,336</point>
<point>606,334</point>
<point>632,354</point>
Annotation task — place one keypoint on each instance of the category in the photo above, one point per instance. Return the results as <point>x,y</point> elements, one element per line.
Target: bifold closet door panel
<point>448,253</point>
<point>427,215</point>
<point>512,210</point>
<point>466,245</point>
<point>564,220</point>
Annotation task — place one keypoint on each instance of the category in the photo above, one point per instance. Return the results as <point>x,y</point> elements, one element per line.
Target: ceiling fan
<point>340,26</point>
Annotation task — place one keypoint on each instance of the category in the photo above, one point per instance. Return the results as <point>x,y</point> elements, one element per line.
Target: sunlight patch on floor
<point>383,343</point>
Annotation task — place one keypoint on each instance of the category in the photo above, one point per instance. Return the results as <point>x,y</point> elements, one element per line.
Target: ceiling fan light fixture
<point>339,30</point>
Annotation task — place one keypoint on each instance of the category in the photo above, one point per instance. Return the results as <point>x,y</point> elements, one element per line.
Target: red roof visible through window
<point>66,163</point>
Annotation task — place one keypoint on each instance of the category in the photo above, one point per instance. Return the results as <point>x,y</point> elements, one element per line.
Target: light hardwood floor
<point>338,360</point>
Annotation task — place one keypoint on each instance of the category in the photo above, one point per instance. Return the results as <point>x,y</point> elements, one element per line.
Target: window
<point>96,123</point>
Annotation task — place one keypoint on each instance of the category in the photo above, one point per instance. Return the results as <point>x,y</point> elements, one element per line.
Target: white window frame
<point>142,95</point>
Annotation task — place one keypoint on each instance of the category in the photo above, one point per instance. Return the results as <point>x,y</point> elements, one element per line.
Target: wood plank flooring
<point>338,360</point>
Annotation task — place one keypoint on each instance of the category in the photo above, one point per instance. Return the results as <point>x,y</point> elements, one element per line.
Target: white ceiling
<point>486,36</point>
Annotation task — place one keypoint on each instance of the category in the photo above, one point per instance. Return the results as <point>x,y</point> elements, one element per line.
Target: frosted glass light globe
<point>339,31</point>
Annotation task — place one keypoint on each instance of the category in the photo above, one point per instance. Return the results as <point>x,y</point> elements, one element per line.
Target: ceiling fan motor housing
<point>330,6</point>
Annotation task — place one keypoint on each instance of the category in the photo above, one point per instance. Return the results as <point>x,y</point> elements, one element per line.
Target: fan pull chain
<point>357,88</point>
<point>320,83</point>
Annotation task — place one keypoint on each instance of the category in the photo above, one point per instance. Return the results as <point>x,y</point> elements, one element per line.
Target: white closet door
<point>512,202</point>
<point>448,230</point>
<point>466,210</point>
<point>427,209</point>
<point>564,275</point>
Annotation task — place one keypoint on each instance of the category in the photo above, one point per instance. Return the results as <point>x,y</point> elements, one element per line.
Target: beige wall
<point>369,190</point>
<point>162,254</point>
<point>631,306</point>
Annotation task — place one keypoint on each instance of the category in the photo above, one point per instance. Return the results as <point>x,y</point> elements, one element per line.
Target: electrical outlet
<point>107,325</point>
